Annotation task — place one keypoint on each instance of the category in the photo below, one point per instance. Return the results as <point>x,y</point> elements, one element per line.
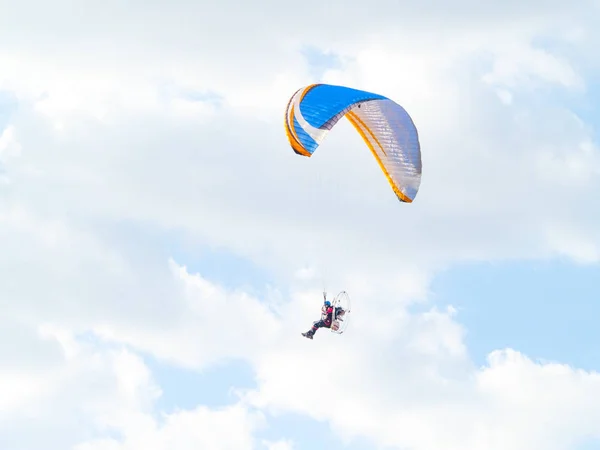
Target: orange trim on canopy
<point>356,122</point>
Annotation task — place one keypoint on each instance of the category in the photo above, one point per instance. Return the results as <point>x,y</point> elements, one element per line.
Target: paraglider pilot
<point>326,317</point>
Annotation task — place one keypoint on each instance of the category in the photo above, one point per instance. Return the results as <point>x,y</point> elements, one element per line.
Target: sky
<point>162,247</point>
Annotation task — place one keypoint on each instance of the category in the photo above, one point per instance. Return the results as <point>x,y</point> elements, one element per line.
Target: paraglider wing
<point>385,126</point>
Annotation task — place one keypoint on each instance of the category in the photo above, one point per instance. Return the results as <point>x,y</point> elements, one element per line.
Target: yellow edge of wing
<point>289,120</point>
<point>291,135</point>
<point>356,122</point>
<point>364,125</point>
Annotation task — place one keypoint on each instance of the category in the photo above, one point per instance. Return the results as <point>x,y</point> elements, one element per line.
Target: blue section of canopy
<point>324,102</point>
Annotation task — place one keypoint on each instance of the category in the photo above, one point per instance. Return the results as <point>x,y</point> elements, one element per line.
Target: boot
<point>309,334</point>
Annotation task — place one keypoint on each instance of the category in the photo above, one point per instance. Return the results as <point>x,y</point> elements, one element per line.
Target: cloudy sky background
<point>162,247</point>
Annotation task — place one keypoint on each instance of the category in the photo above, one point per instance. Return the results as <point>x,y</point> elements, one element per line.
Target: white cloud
<point>9,146</point>
<point>579,245</point>
<point>71,393</point>
<point>91,393</point>
<point>419,389</point>
<point>227,428</point>
<point>167,118</point>
<point>214,325</point>
<point>280,445</point>
<point>410,395</point>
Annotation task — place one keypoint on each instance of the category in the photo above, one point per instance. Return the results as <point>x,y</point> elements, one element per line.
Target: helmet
<point>327,303</point>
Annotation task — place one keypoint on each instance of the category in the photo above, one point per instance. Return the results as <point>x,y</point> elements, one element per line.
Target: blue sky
<point>156,225</point>
<point>545,309</point>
